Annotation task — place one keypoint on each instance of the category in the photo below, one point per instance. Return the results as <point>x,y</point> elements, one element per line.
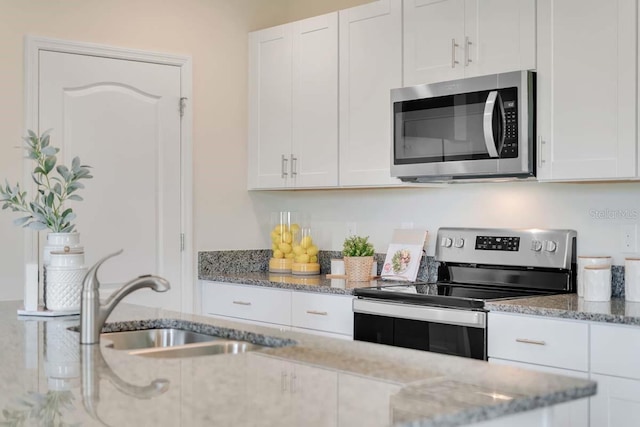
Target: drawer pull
<point>241,303</point>
<point>319,313</point>
<point>526,341</point>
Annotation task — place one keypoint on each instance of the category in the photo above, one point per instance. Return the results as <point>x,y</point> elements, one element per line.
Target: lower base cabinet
<point>320,314</point>
<point>608,354</point>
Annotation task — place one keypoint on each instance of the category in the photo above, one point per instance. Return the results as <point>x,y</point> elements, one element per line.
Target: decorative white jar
<point>65,275</point>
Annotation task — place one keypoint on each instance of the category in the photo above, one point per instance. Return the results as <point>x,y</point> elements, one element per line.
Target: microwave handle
<point>492,148</point>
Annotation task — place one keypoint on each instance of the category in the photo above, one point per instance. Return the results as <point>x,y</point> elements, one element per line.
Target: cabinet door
<point>308,383</point>
<point>587,72</point>
<point>370,66</point>
<point>247,302</point>
<point>269,107</point>
<point>329,313</point>
<point>433,41</point>
<point>569,414</point>
<point>314,155</point>
<point>617,403</point>
<point>500,36</point>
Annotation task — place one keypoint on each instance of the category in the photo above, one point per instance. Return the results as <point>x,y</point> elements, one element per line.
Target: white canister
<point>583,261</point>
<point>337,266</point>
<point>597,282</point>
<point>632,279</point>
<point>65,275</point>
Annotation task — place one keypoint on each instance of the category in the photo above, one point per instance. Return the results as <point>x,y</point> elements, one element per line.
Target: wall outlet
<point>628,238</point>
<point>352,229</point>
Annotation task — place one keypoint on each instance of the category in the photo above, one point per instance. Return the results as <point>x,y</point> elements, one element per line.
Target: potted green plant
<point>46,210</point>
<point>55,185</point>
<point>358,252</point>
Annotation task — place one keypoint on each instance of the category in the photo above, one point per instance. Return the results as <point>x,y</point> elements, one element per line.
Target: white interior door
<point>121,117</point>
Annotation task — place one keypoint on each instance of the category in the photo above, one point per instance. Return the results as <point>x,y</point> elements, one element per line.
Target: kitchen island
<point>47,376</point>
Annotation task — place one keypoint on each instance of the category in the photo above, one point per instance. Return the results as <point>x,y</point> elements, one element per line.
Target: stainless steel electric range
<point>476,265</point>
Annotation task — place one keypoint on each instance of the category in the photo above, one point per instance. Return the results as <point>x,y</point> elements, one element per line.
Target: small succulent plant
<point>47,208</point>
<point>357,246</point>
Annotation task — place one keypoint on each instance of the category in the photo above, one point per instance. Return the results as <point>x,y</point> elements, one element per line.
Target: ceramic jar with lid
<point>65,275</point>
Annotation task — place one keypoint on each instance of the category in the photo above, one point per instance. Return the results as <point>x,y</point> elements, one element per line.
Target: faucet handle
<point>91,278</point>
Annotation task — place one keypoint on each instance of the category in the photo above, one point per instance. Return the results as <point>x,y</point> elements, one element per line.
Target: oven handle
<point>487,124</point>
<point>473,319</point>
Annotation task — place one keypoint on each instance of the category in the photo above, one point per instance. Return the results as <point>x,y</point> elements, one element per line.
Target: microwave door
<point>494,124</point>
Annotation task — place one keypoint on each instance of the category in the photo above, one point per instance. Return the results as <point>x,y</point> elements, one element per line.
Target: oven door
<point>470,128</point>
<point>440,330</point>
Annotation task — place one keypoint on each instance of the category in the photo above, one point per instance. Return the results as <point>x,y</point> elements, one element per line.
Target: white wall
<point>596,211</point>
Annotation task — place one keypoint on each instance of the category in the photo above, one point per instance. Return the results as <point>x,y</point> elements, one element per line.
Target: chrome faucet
<point>93,314</point>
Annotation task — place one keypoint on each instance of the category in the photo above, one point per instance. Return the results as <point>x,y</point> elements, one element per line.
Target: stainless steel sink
<point>172,343</point>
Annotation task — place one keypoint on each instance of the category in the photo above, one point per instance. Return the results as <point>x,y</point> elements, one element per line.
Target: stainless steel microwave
<point>475,128</point>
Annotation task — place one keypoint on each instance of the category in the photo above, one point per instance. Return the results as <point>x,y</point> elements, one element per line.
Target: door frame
<point>33,45</point>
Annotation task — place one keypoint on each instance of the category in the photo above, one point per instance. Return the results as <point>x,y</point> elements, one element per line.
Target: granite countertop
<point>318,283</point>
<point>48,378</point>
<point>570,306</point>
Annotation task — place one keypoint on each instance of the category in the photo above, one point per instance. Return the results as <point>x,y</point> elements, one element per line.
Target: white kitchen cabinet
<point>370,66</point>
<point>617,403</point>
<point>293,105</point>
<point>587,98</point>
<point>240,302</point>
<point>608,353</point>
<point>545,345</point>
<point>365,402</point>
<point>451,39</point>
<point>320,312</point>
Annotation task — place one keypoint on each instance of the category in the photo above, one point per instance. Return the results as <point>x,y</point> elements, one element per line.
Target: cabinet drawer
<point>247,302</point>
<point>557,343</point>
<point>615,350</point>
<point>330,313</point>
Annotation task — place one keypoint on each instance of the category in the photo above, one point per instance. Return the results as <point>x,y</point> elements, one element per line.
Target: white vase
<point>63,272</point>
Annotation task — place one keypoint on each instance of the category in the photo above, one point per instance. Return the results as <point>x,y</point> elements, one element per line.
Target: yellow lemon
<point>297,249</point>
<point>313,258</point>
<point>306,242</point>
<point>275,235</point>
<point>295,228</point>
<point>312,250</point>
<point>274,247</point>
<point>286,237</point>
<point>289,256</point>
<point>278,254</point>
<point>285,247</point>
<point>280,228</point>
<point>304,258</point>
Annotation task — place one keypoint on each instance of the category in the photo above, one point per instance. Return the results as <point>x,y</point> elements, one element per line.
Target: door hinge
<point>183,105</point>
<point>181,242</point>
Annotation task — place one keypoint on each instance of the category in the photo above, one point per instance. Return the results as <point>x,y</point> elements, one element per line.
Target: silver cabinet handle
<point>454,45</point>
<point>319,313</point>
<point>294,165</point>
<point>526,341</point>
<point>241,303</point>
<point>467,51</point>
<point>284,166</point>
<point>541,144</point>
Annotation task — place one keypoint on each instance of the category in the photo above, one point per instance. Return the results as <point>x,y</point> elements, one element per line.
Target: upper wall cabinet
<point>451,39</point>
<point>370,66</point>
<point>587,108</point>
<point>293,105</point>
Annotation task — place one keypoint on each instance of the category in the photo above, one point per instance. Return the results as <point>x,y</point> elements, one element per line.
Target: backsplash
<point>257,260</point>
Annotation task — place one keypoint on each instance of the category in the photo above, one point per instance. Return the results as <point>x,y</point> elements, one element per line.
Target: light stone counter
<point>49,379</point>
<point>570,306</point>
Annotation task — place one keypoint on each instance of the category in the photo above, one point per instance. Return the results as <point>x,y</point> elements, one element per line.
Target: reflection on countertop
<point>318,382</point>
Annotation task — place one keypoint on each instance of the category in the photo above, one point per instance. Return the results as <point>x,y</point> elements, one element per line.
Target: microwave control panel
<point>510,105</point>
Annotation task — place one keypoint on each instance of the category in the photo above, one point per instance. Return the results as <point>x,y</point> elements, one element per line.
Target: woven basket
<point>358,268</point>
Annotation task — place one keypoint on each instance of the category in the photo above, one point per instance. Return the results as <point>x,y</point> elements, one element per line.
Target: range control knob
<point>459,242</point>
<point>446,242</point>
<point>536,245</point>
<point>550,246</point>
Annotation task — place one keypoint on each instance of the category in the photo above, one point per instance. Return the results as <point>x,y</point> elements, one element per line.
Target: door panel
<point>122,118</point>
